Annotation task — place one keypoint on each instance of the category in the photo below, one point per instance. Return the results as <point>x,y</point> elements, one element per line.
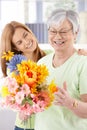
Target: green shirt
<point>28,124</point>
<point>74,72</point>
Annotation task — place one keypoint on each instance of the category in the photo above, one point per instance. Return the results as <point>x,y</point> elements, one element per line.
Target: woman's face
<point>24,41</point>
<point>61,37</point>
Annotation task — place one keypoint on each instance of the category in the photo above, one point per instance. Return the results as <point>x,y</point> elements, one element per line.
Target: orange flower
<point>30,77</point>
<point>52,87</point>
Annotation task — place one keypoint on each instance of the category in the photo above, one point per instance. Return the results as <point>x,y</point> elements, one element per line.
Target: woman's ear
<point>76,33</point>
<point>76,36</point>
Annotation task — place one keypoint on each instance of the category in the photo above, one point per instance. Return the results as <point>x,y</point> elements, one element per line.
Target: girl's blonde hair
<point>7,45</point>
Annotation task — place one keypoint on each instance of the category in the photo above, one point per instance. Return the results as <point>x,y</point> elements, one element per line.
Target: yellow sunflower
<point>8,55</point>
<point>4,91</point>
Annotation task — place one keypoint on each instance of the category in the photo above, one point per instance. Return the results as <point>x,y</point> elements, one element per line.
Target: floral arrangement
<point>25,88</point>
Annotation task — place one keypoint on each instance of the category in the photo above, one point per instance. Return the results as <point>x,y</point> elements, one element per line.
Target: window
<point>36,12</point>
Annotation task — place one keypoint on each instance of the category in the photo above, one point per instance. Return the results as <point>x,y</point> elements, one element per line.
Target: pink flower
<point>12,85</point>
<point>42,99</point>
<point>27,109</point>
<point>10,100</point>
<point>19,97</point>
<point>25,89</point>
<point>38,107</point>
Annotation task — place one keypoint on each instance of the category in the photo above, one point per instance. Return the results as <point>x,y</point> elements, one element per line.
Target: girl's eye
<point>25,35</point>
<point>18,43</point>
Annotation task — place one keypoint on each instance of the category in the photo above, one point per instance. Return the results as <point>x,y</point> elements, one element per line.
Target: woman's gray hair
<point>60,15</point>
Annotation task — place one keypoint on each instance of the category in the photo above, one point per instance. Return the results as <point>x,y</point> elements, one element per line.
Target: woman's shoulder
<point>48,51</point>
<point>46,58</point>
<point>82,57</point>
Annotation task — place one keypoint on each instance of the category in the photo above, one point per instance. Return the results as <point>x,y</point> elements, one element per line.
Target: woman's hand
<point>62,97</point>
<point>78,107</point>
<point>22,116</point>
<point>82,52</point>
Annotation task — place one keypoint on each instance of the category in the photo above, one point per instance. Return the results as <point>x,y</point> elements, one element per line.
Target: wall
<point>83,27</point>
<point>7,119</point>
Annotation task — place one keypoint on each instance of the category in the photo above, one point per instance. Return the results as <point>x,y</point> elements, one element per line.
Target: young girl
<point>18,38</point>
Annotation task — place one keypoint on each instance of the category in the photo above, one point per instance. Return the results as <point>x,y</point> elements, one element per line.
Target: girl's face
<point>62,37</point>
<point>24,41</point>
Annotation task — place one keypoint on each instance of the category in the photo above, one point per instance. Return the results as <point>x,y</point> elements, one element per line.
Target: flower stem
<point>30,122</point>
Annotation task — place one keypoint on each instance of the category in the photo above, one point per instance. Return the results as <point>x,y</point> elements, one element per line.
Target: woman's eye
<point>64,32</point>
<point>54,31</point>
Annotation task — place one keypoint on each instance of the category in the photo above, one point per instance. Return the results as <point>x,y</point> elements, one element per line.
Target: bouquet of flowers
<point>25,88</point>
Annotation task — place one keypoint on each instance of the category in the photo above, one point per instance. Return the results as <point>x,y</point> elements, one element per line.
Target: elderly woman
<point>69,70</point>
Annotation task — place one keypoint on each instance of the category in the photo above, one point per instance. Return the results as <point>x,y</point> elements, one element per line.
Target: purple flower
<point>16,59</point>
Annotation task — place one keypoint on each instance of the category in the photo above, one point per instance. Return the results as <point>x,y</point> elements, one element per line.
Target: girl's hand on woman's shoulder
<point>82,52</point>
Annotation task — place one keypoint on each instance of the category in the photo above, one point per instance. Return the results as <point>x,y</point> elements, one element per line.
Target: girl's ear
<point>15,48</point>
